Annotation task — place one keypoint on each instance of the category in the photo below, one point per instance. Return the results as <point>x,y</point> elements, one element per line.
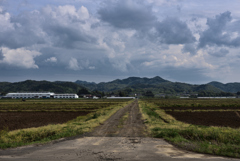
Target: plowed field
<point>201,108</point>
<point>210,118</point>
<point>20,120</point>
<point>15,114</point>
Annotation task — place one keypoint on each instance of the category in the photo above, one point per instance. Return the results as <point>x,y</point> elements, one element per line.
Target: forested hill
<point>229,87</point>
<point>32,86</point>
<point>119,84</point>
<point>156,84</point>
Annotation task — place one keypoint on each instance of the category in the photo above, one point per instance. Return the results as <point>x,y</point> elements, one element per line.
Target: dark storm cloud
<point>67,36</point>
<point>37,27</point>
<point>25,31</point>
<point>174,31</point>
<point>133,15</point>
<point>191,48</point>
<point>128,14</point>
<point>217,33</point>
<point>1,55</point>
<point>219,53</point>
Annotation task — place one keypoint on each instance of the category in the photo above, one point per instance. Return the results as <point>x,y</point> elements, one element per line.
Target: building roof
<point>32,93</point>
<point>65,94</point>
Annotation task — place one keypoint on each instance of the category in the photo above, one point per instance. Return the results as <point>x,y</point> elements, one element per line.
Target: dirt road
<point>126,122</point>
<point>121,137</point>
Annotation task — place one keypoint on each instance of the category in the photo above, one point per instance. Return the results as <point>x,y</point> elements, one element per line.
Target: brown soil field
<point>211,118</point>
<point>20,120</point>
<point>200,108</point>
<point>50,107</point>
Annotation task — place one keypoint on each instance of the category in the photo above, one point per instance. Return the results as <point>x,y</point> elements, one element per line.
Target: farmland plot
<point>209,118</point>
<point>15,114</point>
<point>206,112</point>
<point>41,121</point>
<point>201,125</point>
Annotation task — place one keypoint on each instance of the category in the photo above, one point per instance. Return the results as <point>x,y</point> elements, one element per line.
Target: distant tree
<point>238,93</point>
<point>96,92</point>
<point>3,93</point>
<point>149,94</point>
<point>214,94</point>
<point>193,96</point>
<point>103,94</point>
<point>83,91</point>
<point>127,91</point>
<point>121,94</point>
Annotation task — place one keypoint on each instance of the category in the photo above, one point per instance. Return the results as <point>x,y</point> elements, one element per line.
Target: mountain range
<point>129,85</point>
<point>37,86</point>
<point>159,85</point>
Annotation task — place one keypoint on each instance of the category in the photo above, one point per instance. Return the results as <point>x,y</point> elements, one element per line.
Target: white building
<point>113,97</point>
<point>68,95</point>
<point>39,95</point>
<point>30,95</point>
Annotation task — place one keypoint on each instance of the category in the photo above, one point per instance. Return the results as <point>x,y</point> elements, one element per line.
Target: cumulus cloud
<point>73,64</point>
<point>62,26</point>
<point>5,23</point>
<point>19,57</point>
<point>67,26</point>
<point>118,37</point>
<point>128,14</point>
<point>174,31</point>
<point>69,11</point>
<point>52,59</point>
<point>217,33</point>
<point>91,67</point>
<point>138,16</point>
<point>189,48</point>
<point>21,30</point>
<point>219,53</point>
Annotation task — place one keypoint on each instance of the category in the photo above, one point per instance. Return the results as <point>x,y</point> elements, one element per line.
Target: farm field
<point>201,125</point>
<point>210,118</point>
<point>121,137</point>
<point>15,114</point>
<point>206,112</point>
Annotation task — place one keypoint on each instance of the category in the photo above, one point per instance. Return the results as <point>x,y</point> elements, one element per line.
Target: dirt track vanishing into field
<point>122,137</point>
<point>126,122</point>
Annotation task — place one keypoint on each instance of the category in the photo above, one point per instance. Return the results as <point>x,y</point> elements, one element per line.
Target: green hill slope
<point>156,85</point>
<point>229,87</point>
<point>31,85</point>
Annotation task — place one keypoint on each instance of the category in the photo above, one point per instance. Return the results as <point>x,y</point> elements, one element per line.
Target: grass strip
<point>44,134</point>
<point>223,141</point>
<point>218,110</point>
<point>80,110</point>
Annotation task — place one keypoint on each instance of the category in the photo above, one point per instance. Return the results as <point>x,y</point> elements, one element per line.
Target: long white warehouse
<point>68,95</point>
<point>39,95</point>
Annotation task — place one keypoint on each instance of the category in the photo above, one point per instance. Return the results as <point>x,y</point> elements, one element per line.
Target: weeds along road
<point>122,137</point>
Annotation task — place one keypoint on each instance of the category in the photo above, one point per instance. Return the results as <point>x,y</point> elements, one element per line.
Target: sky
<point>101,40</point>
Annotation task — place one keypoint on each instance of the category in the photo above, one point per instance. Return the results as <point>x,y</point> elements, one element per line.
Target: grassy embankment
<point>222,141</point>
<point>44,134</point>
